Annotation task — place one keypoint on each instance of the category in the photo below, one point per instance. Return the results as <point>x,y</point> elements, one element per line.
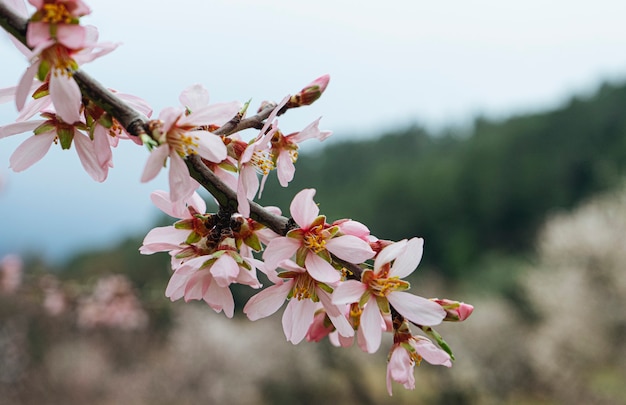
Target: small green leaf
<point>66,136</point>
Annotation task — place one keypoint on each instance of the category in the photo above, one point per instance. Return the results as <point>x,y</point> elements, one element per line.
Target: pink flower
<point>54,64</point>
<point>405,354</point>
<point>180,135</point>
<point>383,286</point>
<point>254,159</point>
<point>57,21</point>
<point>285,149</point>
<point>49,131</point>
<point>170,238</point>
<point>304,294</point>
<point>208,277</point>
<point>314,242</point>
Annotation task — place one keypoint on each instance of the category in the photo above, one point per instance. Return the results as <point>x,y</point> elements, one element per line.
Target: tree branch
<point>13,23</point>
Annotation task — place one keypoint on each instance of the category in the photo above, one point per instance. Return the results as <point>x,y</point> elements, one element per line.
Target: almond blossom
<point>284,151</point>
<point>57,20</point>
<point>382,286</point>
<point>255,159</point>
<point>53,130</point>
<point>314,242</point>
<point>208,278</point>
<point>407,351</point>
<point>179,134</point>
<point>172,238</point>
<point>304,294</point>
<point>57,45</point>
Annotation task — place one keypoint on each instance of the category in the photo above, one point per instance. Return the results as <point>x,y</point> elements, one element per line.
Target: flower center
<point>55,14</point>
<point>59,62</point>
<point>314,240</point>
<point>262,162</point>
<point>182,142</point>
<point>382,286</point>
<point>304,288</point>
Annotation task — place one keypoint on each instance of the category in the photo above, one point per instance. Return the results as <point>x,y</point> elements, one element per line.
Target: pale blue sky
<point>391,63</point>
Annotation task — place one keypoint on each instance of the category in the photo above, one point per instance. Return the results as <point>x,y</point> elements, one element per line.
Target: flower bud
<point>455,311</point>
<point>310,93</point>
<point>320,328</point>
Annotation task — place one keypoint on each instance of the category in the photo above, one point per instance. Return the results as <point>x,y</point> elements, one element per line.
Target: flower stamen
<point>56,14</point>
<point>314,241</point>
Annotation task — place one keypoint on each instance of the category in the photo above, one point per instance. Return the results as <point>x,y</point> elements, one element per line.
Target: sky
<point>391,63</point>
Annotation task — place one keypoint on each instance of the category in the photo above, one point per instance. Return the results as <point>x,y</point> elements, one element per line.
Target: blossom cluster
<point>55,46</point>
<point>339,281</point>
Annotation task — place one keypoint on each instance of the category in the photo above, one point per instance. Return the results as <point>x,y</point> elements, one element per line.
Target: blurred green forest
<point>472,193</point>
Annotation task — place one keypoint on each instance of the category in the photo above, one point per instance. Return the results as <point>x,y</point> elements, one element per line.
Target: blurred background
<point>494,132</point>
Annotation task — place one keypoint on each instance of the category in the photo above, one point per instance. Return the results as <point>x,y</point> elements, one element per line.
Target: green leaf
<point>66,136</point>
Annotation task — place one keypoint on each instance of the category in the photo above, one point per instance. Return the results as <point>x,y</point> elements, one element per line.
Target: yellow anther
<point>294,155</point>
<point>262,162</point>
<point>314,242</point>
<point>304,288</point>
<point>383,286</point>
<point>55,14</point>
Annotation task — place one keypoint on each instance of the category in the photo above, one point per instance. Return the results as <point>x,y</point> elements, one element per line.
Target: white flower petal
<point>417,309</point>
<point>409,259</point>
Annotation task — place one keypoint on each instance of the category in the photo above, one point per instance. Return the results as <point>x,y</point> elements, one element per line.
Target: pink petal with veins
<point>88,158</point>
<point>66,96</point>
<point>155,162</point>
<point>31,151</point>
<point>303,209</point>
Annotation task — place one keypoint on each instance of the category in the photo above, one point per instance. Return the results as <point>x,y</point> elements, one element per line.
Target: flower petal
<point>155,162</point>
<point>163,239</point>
<point>320,269</point>
<point>266,302</point>
<point>181,184</point>
<point>348,292</point>
<point>297,319</point>
<point>417,309</point>
<point>66,96</point>
<point>194,97</point>
<point>210,146</point>
<point>25,86</point>
<point>409,259</point>
<point>217,114</point>
<point>71,35</point>
<point>88,158</point>
<point>350,248</point>
<point>225,270</point>
<point>303,209</point>
<point>102,146</point>
<point>31,151</point>
<point>219,299</point>
<point>18,128</point>
<point>389,253</point>
<point>430,352</point>
<point>277,250</point>
<point>371,322</point>
<point>334,313</point>
<point>285,168</point>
